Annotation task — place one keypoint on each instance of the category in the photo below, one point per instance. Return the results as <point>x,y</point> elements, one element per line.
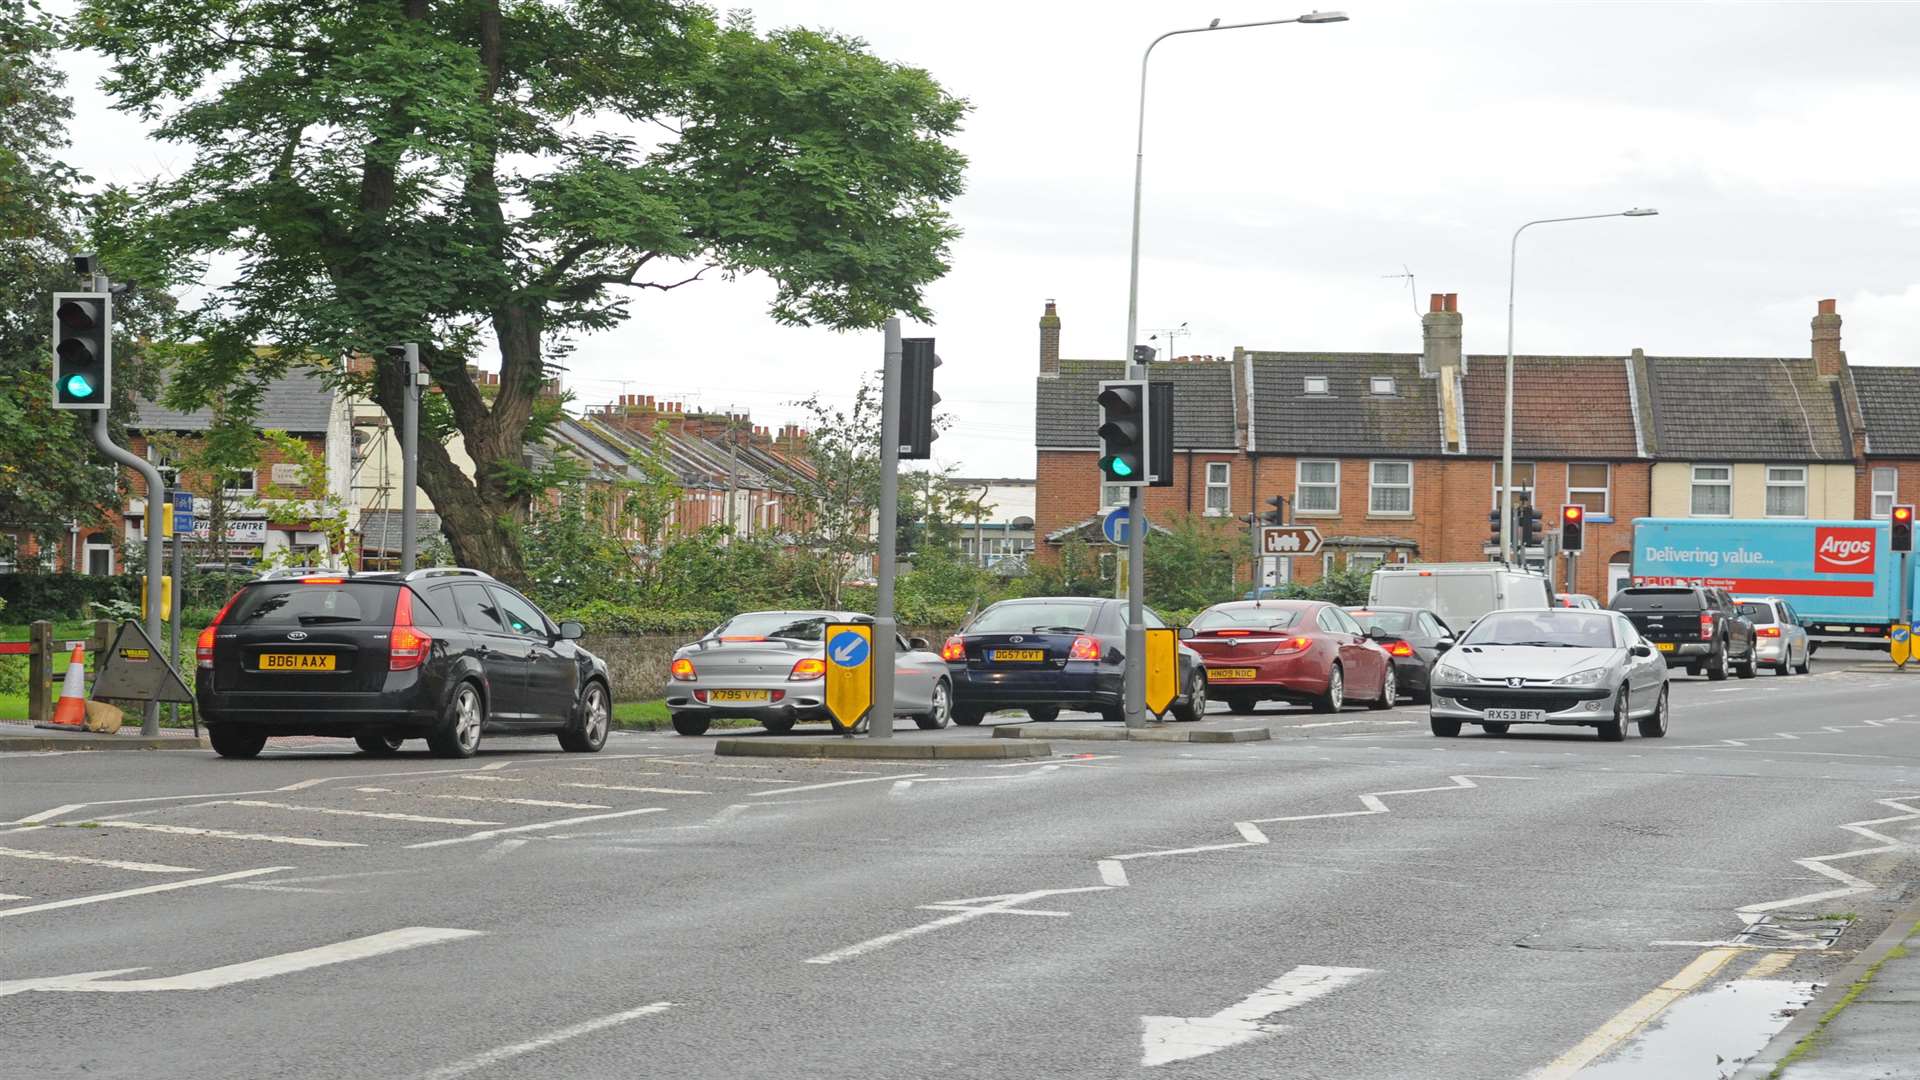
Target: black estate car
<point>441,654</point>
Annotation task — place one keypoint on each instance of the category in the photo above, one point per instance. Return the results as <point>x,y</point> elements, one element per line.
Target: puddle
<point>1709,1035</point>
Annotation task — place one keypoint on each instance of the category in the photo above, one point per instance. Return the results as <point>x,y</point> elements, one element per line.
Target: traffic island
<point>1185,733</point>
<point>890,750</point>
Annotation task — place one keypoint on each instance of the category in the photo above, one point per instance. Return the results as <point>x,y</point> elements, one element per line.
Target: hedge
<point>57,597</point>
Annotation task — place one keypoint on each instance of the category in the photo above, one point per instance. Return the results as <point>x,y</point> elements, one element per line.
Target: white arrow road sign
<point>362,948</point>
<point>1166,1039</point>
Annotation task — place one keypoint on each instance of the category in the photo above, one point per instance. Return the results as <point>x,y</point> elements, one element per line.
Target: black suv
<point>1698,627</point>
<point>440,654</point>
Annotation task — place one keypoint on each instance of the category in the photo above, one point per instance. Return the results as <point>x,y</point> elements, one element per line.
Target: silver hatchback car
<point>1779,639</point>
<point>1560,666</point>
<point>770,666</point>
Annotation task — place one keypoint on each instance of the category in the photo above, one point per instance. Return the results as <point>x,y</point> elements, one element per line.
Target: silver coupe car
<point>1564,666</point>
<point>770,667</point>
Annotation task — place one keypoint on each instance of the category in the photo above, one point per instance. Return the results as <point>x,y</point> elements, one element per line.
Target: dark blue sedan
<point>1043,654</point>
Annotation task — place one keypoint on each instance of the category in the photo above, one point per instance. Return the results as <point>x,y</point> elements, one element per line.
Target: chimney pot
<point>1437,302</point>
<point>1827,307</point>
<point>1453,301</point>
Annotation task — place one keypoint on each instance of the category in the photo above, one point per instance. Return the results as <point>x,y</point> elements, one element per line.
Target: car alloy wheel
<point>1389,690</point>
<point>939,711</point>
<point>467,718</point>
<point>596,717</point>
<point>1655,726</point>
<point>1336,693</point>
<point>1615,729</point>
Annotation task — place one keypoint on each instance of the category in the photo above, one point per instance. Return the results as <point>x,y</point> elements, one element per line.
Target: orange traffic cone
<point>71,712</point>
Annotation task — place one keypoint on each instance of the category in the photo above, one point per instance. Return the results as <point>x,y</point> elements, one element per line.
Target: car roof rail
<point>283,572</point>
<point>447,571</point>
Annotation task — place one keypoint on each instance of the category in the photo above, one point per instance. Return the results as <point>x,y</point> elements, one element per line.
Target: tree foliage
<point>507,175</point>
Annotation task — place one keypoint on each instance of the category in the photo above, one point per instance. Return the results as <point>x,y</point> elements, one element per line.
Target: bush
<point>607,617</point>
<point>59,597</point>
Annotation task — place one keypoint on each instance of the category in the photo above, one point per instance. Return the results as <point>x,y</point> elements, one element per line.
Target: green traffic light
<point>79,386</point>
<point>1117,467</point>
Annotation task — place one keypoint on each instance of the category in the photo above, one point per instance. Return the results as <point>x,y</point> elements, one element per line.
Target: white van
<point>1459,592</point>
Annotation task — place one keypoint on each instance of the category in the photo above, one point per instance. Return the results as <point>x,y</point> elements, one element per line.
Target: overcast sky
<point>1292,170</point>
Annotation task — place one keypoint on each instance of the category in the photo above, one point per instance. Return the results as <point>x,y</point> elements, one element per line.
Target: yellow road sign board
<point>1163,669</point>
<point>849,672</point>
<point>1900,643</point>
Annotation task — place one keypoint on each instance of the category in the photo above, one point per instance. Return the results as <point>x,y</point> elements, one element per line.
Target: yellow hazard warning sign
<point>849,672</point>
<point>1163,669</point>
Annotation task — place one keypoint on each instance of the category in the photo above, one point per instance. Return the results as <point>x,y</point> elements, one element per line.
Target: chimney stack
<point>1440,334</point>
<point>1050,341</point>
<point>1827,357</point>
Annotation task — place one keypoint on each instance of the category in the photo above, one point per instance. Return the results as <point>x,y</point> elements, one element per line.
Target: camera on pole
<point>1124,431</point>
<point>917,399</point>
<point>82,350</point>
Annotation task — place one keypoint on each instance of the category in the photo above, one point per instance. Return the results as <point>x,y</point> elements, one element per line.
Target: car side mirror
<point>917,643</point>
<point>571,630</point>
<point>1378,634</point>
<point>1443,644</point>
<point>1642,650</point>
<point>1186,633</point>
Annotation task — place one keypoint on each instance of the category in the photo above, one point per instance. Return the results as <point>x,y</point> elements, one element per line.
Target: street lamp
<point>1506,442</point>
<point>1136,684</point>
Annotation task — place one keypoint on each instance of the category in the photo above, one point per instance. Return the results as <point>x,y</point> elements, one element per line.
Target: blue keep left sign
<point>848,649</point>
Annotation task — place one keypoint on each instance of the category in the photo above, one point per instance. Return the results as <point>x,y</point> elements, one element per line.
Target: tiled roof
<point>1066,414</point>
<point>380,529</point>
<point>1890,405</point>
<point>1563,406</point>
<point>298,401</point>
<point>1349,418</point>
<point>1746,409</point>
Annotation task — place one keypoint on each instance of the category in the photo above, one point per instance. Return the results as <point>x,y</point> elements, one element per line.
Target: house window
<point>1317,487</point>
<point>1787,491</point>
<point>1712,491</point>
<point>1886,490</point>
<point>1381,384</point>
<point>1588,486</point>
<point>1522,482</point>
<point>1365,560</point>
<point>1315,384</point>
<point>1326,563</point>
<point>1390,487</point>
<point>1112,495</point>
<point>99,558</point>
<point>240,482</point>
<point>1218,489</point>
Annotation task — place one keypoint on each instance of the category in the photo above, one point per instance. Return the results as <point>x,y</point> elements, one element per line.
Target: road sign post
<point>883,625</point>
<point>850,689</point>
<point>1163,669</point>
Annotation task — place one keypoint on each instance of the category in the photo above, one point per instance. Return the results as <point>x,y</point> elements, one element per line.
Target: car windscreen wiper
<point>1543,644</point>
<point>1058,629</point>
<point>310,620</point>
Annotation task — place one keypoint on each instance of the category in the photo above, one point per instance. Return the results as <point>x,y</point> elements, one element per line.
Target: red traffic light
<point>1572,513</point>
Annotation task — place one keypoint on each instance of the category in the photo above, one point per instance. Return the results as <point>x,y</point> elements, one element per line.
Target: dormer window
<point>1315,384</point>
<point>1381,385</point>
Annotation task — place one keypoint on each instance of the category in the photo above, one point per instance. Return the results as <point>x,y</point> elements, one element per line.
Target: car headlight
<point>1592,676</point>
<point>1447,673</point>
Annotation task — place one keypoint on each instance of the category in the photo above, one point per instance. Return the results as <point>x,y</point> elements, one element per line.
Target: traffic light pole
<point>410,461</point>
<point>880,716</point>
<point>156,497</point>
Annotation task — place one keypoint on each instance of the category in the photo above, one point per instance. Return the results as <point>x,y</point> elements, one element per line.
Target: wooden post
<point>97,646</point>
<point>40,672</point>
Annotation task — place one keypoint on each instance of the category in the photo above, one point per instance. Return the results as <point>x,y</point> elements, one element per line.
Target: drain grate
<point>1793,930</point>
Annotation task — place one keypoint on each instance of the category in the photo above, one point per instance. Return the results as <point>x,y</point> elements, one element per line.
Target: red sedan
<point>1301,651</point>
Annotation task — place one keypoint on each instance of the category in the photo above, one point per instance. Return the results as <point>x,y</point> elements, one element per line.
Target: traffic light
<point>1160,433</point>
<point>917,399</point>
<point>1123,431</point>
<point>1493,527</point>
<point>1530,526</point>
<point>1277,515</point>
<point>1902,528</point>
<point>82,350</point>
<point>1573,526</point>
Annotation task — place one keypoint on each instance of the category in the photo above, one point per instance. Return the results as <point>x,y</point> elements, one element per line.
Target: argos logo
<point>1843,551</point>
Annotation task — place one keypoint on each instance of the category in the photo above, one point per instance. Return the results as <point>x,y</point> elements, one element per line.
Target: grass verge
<point>652,716</point>
<point>1806,1046</point>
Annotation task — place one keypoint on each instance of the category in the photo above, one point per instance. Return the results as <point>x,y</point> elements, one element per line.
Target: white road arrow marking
<point>361,948</point>
<point>1165,1039</point>
<point>844,654</point>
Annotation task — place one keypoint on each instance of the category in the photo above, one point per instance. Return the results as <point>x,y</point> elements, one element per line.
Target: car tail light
<point>1233,633</point>
<point>741,637</point>
<point>1084,648</point>
<point>407,646</point>
<point>1292,644</point>
<point>1706,626</point>
<point>1768,631</point>
<point>1399,648</point>
<point>954,650</point>
<point>683,669</point>
<point>811,667</point>
<point>323,581</point>
<point>203,648</point>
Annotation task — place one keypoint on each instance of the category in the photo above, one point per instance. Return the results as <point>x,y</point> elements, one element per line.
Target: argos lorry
<point>1838,575</point>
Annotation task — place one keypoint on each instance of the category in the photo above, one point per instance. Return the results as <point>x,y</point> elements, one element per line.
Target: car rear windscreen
<point>300,603</point>
<point>1063,617</point>
<point>1656,600</point>
<point>1457,598</point>
<point>1393,622</point>
<point>787,625</point>
<point>1758,614</point>
<point>1246,618</point>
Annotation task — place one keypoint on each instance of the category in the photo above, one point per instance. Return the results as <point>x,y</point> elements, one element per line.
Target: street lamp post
<point>1136,647</point>
<point>1506,440</point>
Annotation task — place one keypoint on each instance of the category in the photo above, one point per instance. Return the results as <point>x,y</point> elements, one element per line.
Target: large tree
<point>506,175</point>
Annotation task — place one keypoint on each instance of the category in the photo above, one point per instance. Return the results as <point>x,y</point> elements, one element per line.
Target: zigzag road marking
<point>1793,736</point>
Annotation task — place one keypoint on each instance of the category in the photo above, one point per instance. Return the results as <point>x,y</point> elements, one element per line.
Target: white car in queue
<point>1562,666</point>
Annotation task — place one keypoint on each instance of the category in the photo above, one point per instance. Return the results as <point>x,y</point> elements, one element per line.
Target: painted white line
<point>17,896</point>
<point>901,786</point>
<point>1251,831</point>
<point>380,814</point>
<point>995,907</point>
<point>182,830</point>
<point>998,911</point>
<point>648,790</point>
<point>302,785</point>
<point>1344,723</point>
<point>585,1027</point>
<point>1850,885</point>
<point>489,834</point>
<point>1635,1016</point>
<point>488,779</point>
<point>504,848</point>
<point>363,948</point>
<point>495,766</point>
<point>549,803</point>
<point>1165,1039</point>
<point>48,815</point>
<point>83,860</point>
<point>275,888</point>
<point>1113,873</point>
<point>835,784</point>
<point>375,790</point>
<point>165,886</point>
